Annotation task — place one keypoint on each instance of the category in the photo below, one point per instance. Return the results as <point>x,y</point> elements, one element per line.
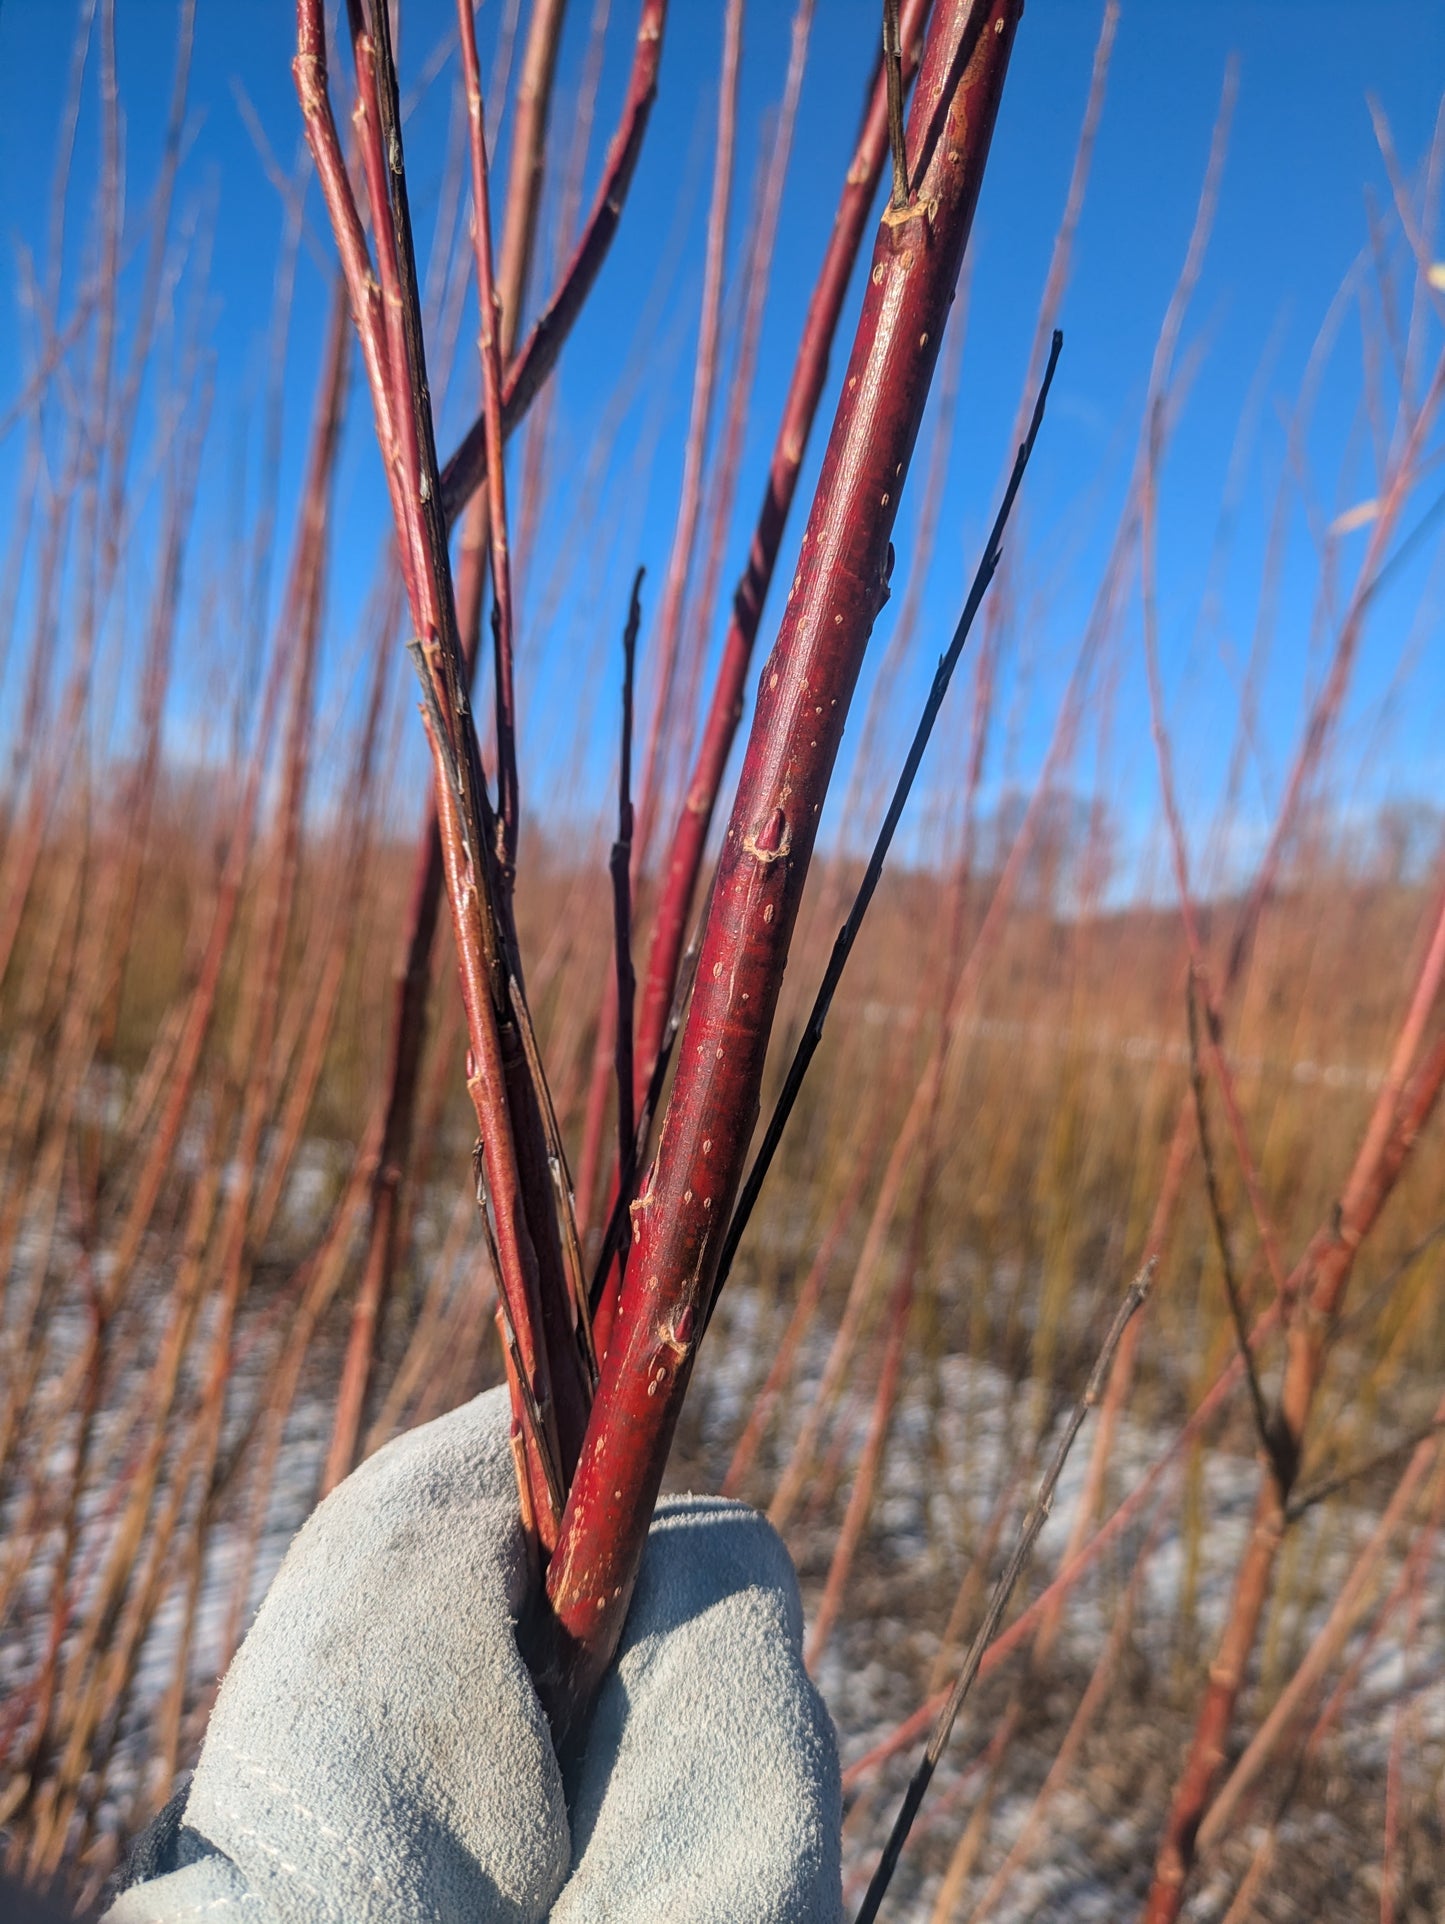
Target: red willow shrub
<point>589,1478</point>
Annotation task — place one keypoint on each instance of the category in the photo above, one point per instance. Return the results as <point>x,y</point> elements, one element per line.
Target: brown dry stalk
<point>971,1839</point>
<point>583,115</point>
<point>257,1021</point>
<point>431,1335</point>
<point>794,1476</point>
<point>305,599</point>
<point>1181,1147</point>
<point>531,113</point>
<point>393,1158</point>
<point>1221,1235</point>
<point>321,1277</point>
<point>1148,558</point>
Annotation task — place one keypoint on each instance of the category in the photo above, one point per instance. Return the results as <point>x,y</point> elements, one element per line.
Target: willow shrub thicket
<point>244,1240</point>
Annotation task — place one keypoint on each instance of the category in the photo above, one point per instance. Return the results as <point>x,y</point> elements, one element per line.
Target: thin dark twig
<point>1385,1288</point>
<point>560,1172</point>
<point>489,343</point>
<point>612,1236</point>
<point>1221,1237</point>
<point>893,67</point>
<point>484,1210</point>
<point>998,1602</point>
<point>432,710</point>
<point>556,1495</point>
<point>620,864</point>
<point>1307,1499</point>
<point>813,1032</point>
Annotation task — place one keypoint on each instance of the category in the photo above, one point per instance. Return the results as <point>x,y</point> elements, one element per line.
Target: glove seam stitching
<point>253,1764</point>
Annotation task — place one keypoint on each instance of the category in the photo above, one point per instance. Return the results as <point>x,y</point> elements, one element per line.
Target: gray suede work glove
<point>377,1754</point>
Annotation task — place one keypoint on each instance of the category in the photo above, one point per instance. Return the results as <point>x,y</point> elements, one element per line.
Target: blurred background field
<point>1226,566</point>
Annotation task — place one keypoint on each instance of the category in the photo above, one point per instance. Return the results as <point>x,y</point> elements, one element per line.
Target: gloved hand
<point>377,1754</point>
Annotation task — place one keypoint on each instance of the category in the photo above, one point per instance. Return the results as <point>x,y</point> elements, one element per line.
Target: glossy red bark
<point>810,371</point>
<point>840,585</point>
<point>685,852</point>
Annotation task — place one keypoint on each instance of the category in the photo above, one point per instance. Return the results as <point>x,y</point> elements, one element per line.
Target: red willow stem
<point>531,111</point>
<point>1318,1285</point>
<point>812,1035</point>
<point>546,1363</point>
<point>519,1138</point>
<point>582,115</point>
<point>684,539</point>
<point>810,371</point>
<point>385,1228</point>
<point>385,1238</point>
<point>690,833</point>
<point>603,1297</point>
<point>841,584</point>
<point>796,1469</point>
<point>862,791</point>
<point>462,475</point>
<point>756,276</point>
<point>1345,1611</point>
<point>519,222</point>
<point>664,645</point>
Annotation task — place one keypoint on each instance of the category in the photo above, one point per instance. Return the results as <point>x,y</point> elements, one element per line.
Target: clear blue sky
<point>1292,218</point>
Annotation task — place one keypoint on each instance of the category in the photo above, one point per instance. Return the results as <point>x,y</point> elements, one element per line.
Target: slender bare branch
<point>998,1602</point>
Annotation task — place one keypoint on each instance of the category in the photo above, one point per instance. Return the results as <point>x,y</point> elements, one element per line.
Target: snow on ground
<point>960,1430</point>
